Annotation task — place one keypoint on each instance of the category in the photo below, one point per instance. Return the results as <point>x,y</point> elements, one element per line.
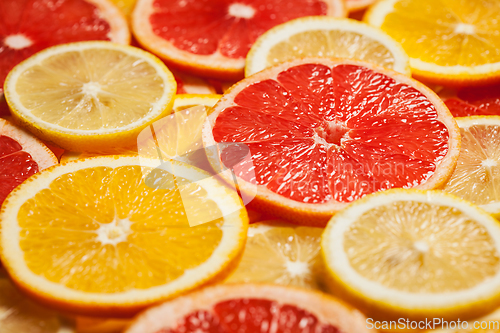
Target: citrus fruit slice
<point>109,236</point>
<point>250,308</point>
<point>19,314</point>
<point>190,84</point>
<point>126,6</point>
<point>475,101</point>
<point>455,43</point>
<point>414,254</point>
<point>323,36</point>
<point>24,28</point>
<point>477,175</point>
<point>21,156</point>
<point>90,96</point>
<point>322,133</point>
<point>212,39</point>
<point>357,5</point>
<point>277,252</point>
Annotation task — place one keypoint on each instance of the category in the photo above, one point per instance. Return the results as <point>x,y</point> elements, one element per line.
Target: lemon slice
<point>90,96</point>
<point>323,36</point>
<point>414,254</point>
<point>477,175</point>
<point>94,237</point>
<point>280,253</point>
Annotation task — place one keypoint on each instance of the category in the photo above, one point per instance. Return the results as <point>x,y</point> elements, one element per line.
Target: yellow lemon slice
<point>414,254</point>
<point>90,96</point>
<point>109,236</point>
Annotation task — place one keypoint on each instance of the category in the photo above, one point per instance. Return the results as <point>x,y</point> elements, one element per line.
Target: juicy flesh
<point>318,134</point>
<point>90,89</point>
<point>16,166</point>
<point>330,43</point>
<point>24,28</point>
<point>227,26</point>
<point>477,175</point>
<point>104,230</point>
<point>280,254</point>
<point>251,315</point>
<point>438,248</point>
<point>451,33</point>
<point>474,101</point>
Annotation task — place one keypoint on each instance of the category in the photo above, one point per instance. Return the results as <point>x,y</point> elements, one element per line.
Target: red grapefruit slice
<point>29,26</point>
<point>212,38</point>
<point>475,101</point>
<point>323,133</point>
<point>251,308</point>
<point>21,155</point>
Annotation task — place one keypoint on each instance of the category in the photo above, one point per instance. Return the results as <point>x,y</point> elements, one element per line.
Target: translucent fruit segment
<point>318,133</point>
<point>15,166</point>
<point>24,29</point>
<point>227,26</point>
<point>251,315</point>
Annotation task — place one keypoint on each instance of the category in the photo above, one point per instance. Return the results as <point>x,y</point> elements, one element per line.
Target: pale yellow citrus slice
<point>477,175</point>
<point>90,96</point>
<point>109,236</point>
<point>323,36</point>
<point>280,253</point>
<point>449,42</point>
<point>414,254</point>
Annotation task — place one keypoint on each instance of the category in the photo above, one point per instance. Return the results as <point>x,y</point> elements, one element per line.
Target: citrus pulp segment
<point>277,252</point>
<point>90,96</point>
<point>414,254</point>
<point>261,308</point>
<point>323,36</point>
<point>211,39</point>
<point>109,236</point>
<point>24,28</point>
<point>477,175</point>
<point>475,101</point>
<point>453,42</point>
<point>322,133</point>
<point>21,155</point>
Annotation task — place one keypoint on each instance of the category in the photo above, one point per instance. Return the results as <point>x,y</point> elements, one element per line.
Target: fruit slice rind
<point>284,31</point>
<point>129,302</point>
<point>278,205</point>
<point>396,303</point>
<point>25,115</point>
<point>119,31</point>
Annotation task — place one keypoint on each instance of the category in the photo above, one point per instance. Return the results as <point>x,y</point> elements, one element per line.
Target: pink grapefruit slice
<point>323,133</point>
<point>251,308</point>
<point>21,155</point>
<point>29,26</point>
<point>212,38</point>
<point>475,101</point>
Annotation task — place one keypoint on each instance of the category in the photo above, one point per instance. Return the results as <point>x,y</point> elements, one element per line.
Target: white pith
<point>18,41</point>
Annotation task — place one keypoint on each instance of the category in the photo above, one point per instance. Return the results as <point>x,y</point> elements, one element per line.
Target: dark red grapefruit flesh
<point>476,101</point>
<point>16,166</point>
<point>204,26</point>
<point>318,133</point>
<point>39,24</point>
<point>251,315</point>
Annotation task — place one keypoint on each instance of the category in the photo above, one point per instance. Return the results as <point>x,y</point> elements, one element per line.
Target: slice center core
<point>114,232</point>
<point>241,11</point>
<point>297,268</point>
<point>91,88</point>
<point>489,163</point>
<point>332,132</point>
<point>464,28</point>
<point>18,41</point>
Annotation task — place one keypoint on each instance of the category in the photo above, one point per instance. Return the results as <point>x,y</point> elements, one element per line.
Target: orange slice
<point>211,39</point>
<point>21,156</point>
<point>27,27</point>
<point>250,308</point>
<point>322,133</point>
<point>450,42</point>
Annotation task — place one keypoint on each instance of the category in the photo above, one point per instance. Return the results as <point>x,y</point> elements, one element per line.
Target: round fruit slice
<point>190,84</point>
<point>21,156</point>
<point>27,27</point>
<point>455,43</point>
<point>322,133</point>
<point>212,39</point>
<point>90,96</point>
<point>279,253</point>
<point>414,254</point>
<point>250,308</point>
<point>19,314</point>
<point>109,236</point>
<point>475,101</point>
<point>477,175</point>
<point>322,36</point>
